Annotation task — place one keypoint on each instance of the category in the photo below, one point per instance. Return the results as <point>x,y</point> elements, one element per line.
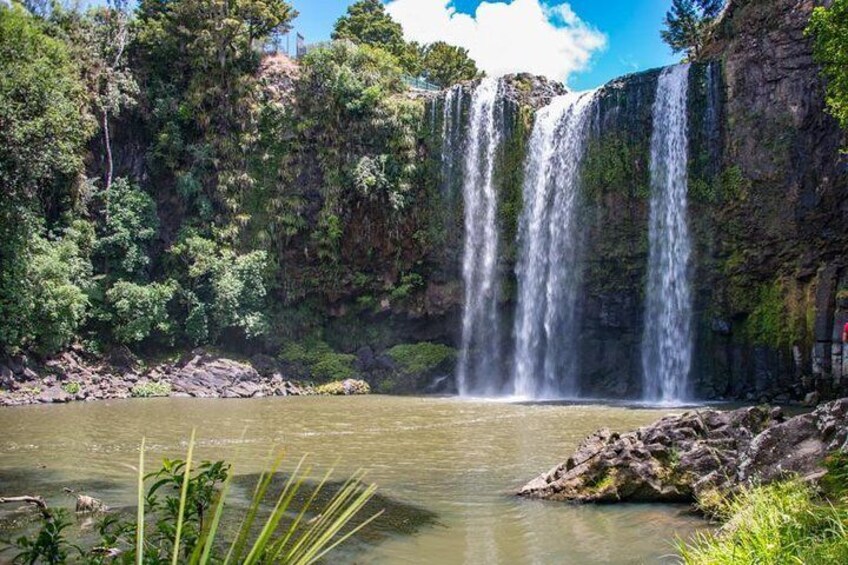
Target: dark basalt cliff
<point>768,193</point>
<point>768,215</point>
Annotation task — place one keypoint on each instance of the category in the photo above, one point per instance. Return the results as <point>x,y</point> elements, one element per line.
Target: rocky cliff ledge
<point>200,373</point>
<point>686,457</point>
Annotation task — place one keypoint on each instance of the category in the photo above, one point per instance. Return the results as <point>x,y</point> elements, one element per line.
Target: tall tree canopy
<point>44,125</point>
<point>444,64</point>
<point>367,22</point>
<point>201,58</point>
<point>829,29</point>
<point>687,24</point>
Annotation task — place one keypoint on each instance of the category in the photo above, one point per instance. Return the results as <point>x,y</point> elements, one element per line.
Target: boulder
<point>682,457</point>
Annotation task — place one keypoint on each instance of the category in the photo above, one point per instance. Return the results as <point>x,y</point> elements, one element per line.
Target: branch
<point>34,500</point>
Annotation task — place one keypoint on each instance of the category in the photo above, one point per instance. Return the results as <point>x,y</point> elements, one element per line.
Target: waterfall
<point>478,367</point>
<point>546,323</point>
<point>667,340</point>
<point>451,137</point>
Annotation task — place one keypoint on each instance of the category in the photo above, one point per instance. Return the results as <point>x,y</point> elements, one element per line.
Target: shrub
<point>224,289</point>
<point>151,389</point>
<point>71,387</point>
<point>422,357</point>
<point>334,367</point>
<point>307,352</point>
<point>58,278</point>
<point>338,388</point>
<point>127,231</point>
<point>140,310</point>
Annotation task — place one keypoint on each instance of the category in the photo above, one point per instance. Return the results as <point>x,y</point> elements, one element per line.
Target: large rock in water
<point>682,457</point>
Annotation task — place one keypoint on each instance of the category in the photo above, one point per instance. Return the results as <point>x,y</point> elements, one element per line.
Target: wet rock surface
<point>201,373</point>
<point>680,458</point>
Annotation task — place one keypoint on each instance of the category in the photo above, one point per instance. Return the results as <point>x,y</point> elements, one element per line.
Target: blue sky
<point>627,29</point>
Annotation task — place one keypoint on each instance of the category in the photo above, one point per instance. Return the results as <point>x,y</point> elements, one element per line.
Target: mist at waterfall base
<point>542,361</point>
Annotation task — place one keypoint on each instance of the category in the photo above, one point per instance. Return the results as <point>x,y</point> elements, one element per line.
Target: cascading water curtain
<point>667,340</point>
<point>546,323</point>
<point>451,137</point>
<point>479,364</point>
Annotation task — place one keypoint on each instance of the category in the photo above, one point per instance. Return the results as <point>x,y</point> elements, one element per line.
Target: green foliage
<point>409,282</point>
<point>779,523</point>
<point>200,79</point>
<point>71,387</point>
<point>307,352</point>
<point>179,520</point>
<point>835,481</point>
<point>367,23</point>
<point>318,360</point>
<point>829,29</point>
<point>334,367</point>
<point>42,136</point>
<point>612,166</point>
<point>139,310</point>
<point>57,281</point>
<point>41,98</point>
<point>445,65</point>
<point>769,323</point>
<point>221,289</point>
<point>420,358</point>
<point>127,231</point>
<point>151,389</point>
<point>50,545</point>
<point>688,23</point>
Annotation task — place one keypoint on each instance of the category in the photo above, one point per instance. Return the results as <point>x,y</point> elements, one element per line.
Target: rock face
<point>200,374</point>
<point>680,458</point>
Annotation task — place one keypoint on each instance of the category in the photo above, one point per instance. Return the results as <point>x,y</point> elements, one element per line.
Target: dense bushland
<point>169,181</point>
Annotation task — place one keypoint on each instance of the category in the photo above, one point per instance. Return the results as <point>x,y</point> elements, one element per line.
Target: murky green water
<point>459,459</point>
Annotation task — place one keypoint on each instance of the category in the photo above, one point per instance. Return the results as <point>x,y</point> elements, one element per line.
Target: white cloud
<point>521,36</point>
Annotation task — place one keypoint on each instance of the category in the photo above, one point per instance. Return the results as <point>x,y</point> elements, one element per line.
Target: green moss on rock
<point>419,358</point>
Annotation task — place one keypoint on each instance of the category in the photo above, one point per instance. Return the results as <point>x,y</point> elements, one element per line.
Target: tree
<point>367,23</point>
<point>829,29</point>
<point>100,38</point>
<point>200,59</point>
<point>445,65</point>
<point>44,126</point>
<point>688,23</point>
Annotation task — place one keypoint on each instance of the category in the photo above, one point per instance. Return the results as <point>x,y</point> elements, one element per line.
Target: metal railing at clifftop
<point>419,83</point>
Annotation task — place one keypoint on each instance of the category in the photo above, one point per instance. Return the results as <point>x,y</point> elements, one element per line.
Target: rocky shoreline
<point>73,376</point>
<point>696,454</point>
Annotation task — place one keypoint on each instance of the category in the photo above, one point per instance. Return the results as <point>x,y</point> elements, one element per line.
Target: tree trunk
<point>109,165</point>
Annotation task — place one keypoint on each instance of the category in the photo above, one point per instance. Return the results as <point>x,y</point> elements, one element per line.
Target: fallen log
<point>37,501</point>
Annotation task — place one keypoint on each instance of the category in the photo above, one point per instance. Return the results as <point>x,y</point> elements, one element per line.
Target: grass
<point>782,523</point>
<point>71,387</point>
<point>337,388</point>
<point>151,389</point>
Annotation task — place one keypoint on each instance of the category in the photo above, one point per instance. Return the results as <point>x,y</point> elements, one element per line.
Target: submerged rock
<point>680,458</point>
